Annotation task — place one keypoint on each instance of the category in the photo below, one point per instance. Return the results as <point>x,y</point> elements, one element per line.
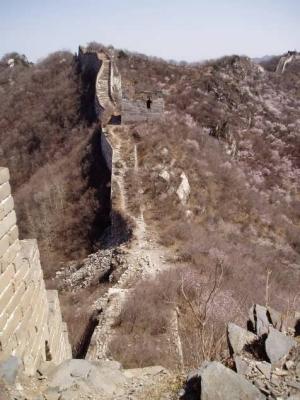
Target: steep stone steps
<point>103,84</point>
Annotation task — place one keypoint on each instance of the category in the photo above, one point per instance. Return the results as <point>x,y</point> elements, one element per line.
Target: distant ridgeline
<point>289,58</point>
<point>31,325</point>
<point>110,105</point>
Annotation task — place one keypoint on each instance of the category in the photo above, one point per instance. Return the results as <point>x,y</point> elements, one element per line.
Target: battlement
<point>31,325</point>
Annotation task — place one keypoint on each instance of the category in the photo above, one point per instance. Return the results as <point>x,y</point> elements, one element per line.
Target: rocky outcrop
<point>264,363</point>
<point>238,338</point>
<point>83,380</point>
<point>278,345</point>
<point>220,383</point>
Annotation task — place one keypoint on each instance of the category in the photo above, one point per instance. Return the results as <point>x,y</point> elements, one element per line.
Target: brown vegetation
<point>232,127</point>
<point>243,209</point>
<point>58,183</point>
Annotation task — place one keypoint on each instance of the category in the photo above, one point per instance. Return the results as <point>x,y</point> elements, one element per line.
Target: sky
<point>190,30</point>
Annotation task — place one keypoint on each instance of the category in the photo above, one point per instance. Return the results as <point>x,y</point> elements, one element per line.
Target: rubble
<point>268,360</point>
<point>96,268</point>
<point>278,345</point>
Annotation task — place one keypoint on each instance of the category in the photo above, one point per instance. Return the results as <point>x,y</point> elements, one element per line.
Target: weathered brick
<point>13,234</point>
<point>23,326</point>
<point>37,315</point>
<point>40,334</point>
<point>16,299</point>
<point>6,277</point>
<point>4,244</point>
<point>29,363</point>
<point>3,320</point>
<point>9,256</point>
<point>11,325</point>
<point>38,307</point>
<point>23,273</point>
<point>8,345</point>
<point>4,175</point>
<point>27,299</point>
<point>28,248</point>
<point>23,340</point>
<point>4,191</point>
<point>6,206</point>
<point>7,223</point>
<point>6,295</point>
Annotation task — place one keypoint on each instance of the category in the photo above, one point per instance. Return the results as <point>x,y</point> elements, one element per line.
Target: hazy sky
<point>173,29</point>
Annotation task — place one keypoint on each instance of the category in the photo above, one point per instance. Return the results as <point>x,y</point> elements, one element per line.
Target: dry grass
<point>144,330</point>
<point>243,209</point>
<point>243,206</point>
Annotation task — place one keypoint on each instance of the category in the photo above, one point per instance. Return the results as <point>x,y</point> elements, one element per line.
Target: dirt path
<point>145,257</point>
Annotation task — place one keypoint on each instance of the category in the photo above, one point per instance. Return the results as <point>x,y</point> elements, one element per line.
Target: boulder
<point>241,366</point>
<point>265,368</point>
<point>289,364</point>
<point>275,317</point>
<point>103,376</point>
<point>262,320</point>
<point>221,383</point>
<point>278,345</point>
<point>184,189</point>
<point>164,175</point>
<point>238,338</point>
<point>252,317</point>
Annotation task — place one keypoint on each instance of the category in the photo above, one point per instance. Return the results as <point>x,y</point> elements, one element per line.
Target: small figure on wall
<point>149,102</point>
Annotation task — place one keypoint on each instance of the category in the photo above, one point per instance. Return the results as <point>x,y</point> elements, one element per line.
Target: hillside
<point>231,128</point>
<point>48,147</point>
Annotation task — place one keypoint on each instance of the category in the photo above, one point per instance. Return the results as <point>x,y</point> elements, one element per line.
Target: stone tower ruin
<point>110,104</point>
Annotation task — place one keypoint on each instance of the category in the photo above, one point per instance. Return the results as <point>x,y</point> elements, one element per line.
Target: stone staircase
<point>103,83</point>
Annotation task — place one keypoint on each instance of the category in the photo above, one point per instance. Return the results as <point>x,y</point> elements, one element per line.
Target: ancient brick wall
<point>89,62</point>
<point>101,66</point>
<point>136,110</point>
<point>31,325</point>
<point>106,149</point>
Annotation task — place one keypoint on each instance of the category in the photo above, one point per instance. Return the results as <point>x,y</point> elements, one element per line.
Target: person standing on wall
<point>149,102</point>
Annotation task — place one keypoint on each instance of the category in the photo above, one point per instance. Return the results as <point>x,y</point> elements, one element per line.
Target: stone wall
<point>106,150</point>
<point>89,62</point>
<point>136,110</point>
<point>31,325</point>
<point>108,91</point>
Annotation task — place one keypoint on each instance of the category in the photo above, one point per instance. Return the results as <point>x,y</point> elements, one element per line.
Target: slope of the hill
<point>49,150</point>
<point>233,129</point>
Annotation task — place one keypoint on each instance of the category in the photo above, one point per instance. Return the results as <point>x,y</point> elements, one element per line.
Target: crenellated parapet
<point>31,325</point>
